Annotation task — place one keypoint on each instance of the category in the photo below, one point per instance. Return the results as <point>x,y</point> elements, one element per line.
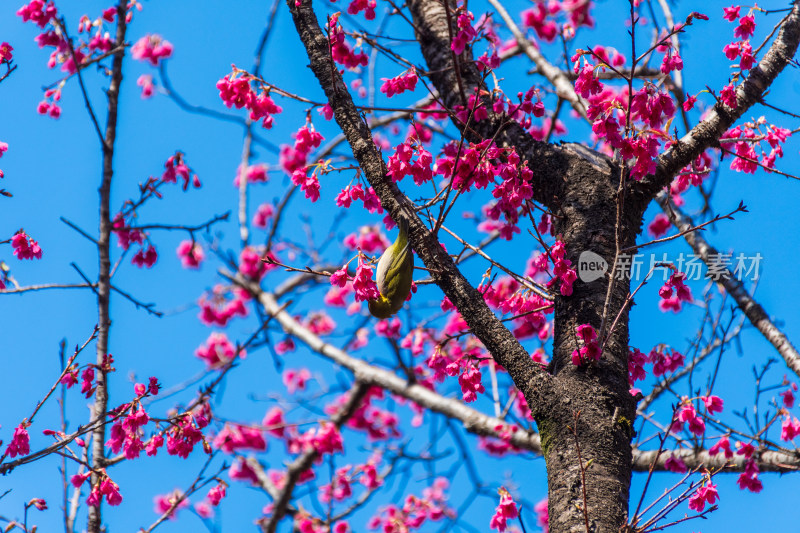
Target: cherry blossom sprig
<point>751,136</point>
<point>214,495</point>
<point>589,349</point>
<point>697,495</point>
<point>6,58</point>
<point>25,247</point>
<point>73,57</point>
<point>152,48</point>
<point>415,510</point>
<point>235,91</point>
<point>682,293</point>
<point>341,52</point>
<point>662,220</point>
<point>506,510</point>
<point>20,444</point>
<point>21,441</point>
<point>128,233</point>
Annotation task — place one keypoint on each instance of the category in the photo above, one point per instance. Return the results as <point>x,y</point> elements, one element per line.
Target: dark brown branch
<point>498,340</point>
<point>100,407</point>
<point>748,93</point>
<point>547,160</point>
<point>304,462</point>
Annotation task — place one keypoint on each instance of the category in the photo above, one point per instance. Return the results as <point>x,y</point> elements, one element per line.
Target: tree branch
<point>498,340</point>
<point>473,420</point>
<point>547,160</point>
<point>304,462</point>
<point>708,132</point>
<point>752,309</point>
<point>100,407</point>
<point>767,461</point>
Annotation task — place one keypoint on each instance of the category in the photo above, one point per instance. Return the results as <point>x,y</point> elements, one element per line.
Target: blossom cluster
<point>352,193</point>
<point>590,349</point>
<point>674,292</point>
<point>218,307</point>
<point>73,54</point>
<point>123,223</point>
<point>340,50</point>
<point>293,160</point>
<point>235,90</point>
<point>545,18</point>
<point>151,48</point>
<point>664,361</point>
<point>400,84</point>
<point>506,510</point>
<point>415,511</point>
<point>25,247</point>
<point>749,140</point>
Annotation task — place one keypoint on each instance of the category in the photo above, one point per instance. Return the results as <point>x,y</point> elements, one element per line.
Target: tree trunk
<point>586,430</point>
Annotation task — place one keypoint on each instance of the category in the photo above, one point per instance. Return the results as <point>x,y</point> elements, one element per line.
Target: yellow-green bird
<point>393,276</point>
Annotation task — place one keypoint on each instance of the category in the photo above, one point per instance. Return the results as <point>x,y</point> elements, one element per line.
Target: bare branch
<point>752,309</point>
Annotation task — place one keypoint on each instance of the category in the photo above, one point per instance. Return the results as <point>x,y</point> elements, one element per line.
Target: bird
<point>393,275</point>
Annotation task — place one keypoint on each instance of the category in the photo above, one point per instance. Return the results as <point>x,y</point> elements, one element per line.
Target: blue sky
<point>53,170</point>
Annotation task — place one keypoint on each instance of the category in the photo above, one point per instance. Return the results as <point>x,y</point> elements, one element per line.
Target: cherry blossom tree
<point>515,342</point>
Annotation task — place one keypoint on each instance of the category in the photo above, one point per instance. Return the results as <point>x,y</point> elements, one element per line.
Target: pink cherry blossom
<point>728,96</point>
<point>20,442</point>
<point>704,494</point>
<point>674,463</point>
<point>145,81</point>
<point>724,445</point>
<point>263,214</point>
<point>172,502</point>
<point>590,350</point>
<point>191,254</point>
<point>295,380</point>
<point>216,493</point>
<point>38,12</point>
<point>151,48</point>
<point>5,53</point>
<point>235,437</point>
<point>790,428</point>
<point>731,13</point>
<point>145,257</point>
<point>746,27</point>
<point>713,404</point>
<point>274,422</point>
<point>470,381</point>
<point>250,263</point>
<point>218,351</point>
<point>25,247</point>
<point>659,226</point>
<point>506,510</point>
<point>749,478</point>
<point>542,514</point>
<point>340,50</point>
<point>399,84</point>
